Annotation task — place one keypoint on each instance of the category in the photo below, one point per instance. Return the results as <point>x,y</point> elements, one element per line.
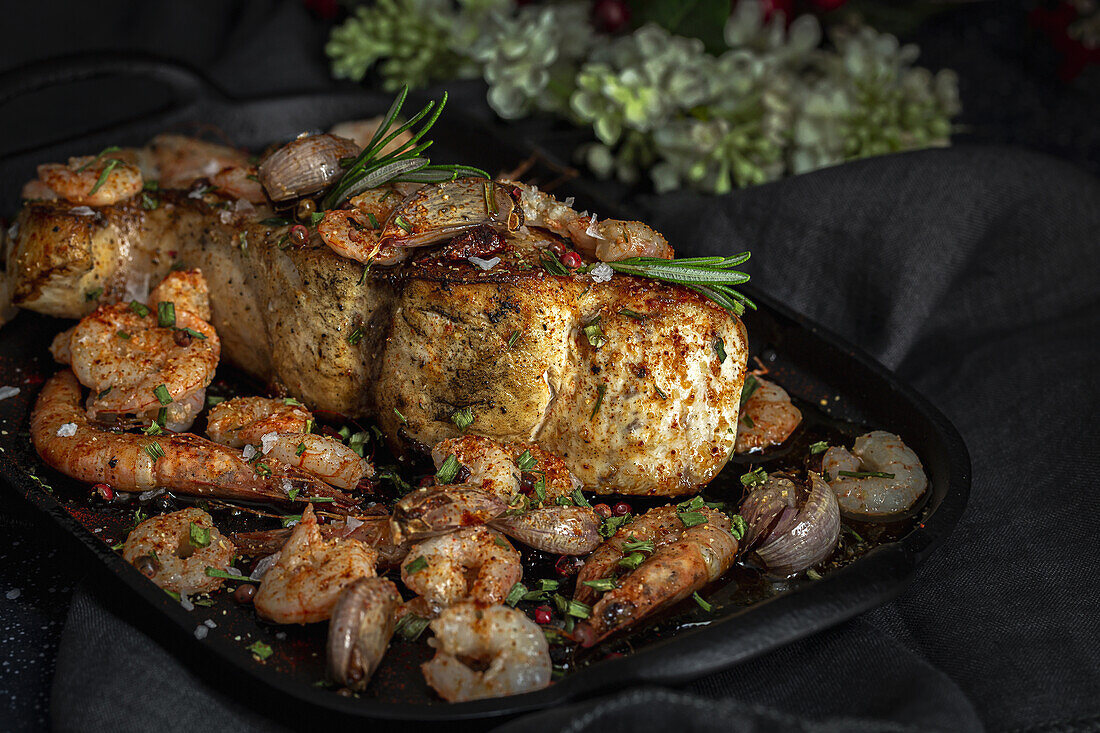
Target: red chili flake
<point>621,509</point>
<point>543,615</point>
<point>603,510</point>
<point>572,260</point>
<point>105,491</point>
<point>568,565</point>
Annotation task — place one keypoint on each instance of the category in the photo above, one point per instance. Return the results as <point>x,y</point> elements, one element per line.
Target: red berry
<point>572,260</point>
<point>603,510</point>
<point>567,565</point>
<point>611,16</point>
<point>105,491</point>
<point>542,615</point>
<point>299,234</point>
<point>621,509</point>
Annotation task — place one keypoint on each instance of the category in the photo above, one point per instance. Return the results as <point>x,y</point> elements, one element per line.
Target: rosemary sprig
<point>713,277</point>
<point>407,163</point>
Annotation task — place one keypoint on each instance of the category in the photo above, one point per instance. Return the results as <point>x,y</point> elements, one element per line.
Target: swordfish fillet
<point>644,403</point>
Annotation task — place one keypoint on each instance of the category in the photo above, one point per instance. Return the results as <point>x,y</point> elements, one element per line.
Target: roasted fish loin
<point>644,401</point>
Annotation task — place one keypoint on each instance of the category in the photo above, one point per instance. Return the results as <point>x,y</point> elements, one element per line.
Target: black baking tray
<point>814,364</point>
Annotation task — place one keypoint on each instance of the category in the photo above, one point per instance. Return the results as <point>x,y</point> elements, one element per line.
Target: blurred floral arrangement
<point>688,92</point>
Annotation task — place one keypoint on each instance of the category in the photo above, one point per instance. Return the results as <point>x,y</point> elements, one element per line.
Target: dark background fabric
<point>972,272</point>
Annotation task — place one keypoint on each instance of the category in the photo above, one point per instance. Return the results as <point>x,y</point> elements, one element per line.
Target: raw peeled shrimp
<point>875,496</point>
<point>475,564</point>
<point>683,560</point>
<point>75,182</point>
<point>510,650</point>
<point>360,629</point>
<point>305,582</point>
<point>608,241</point>
<point>186,290</point>
<point>242,421</point>
<point>767,418</point>
<point>125,359</point>
<point>68,441</point>
<point>179,564</point>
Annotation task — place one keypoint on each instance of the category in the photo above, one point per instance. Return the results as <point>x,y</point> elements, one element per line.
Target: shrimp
<point>608,241</point>
<point>509,649</point>
<point>375,532</point>
<point>355,233</point>
<point>180,160</point>
<point>180,547</point>
<point>326,458</point>
<point>239,182</point>
<point>305,582</point>
<point>494,466</point>
<point>135,366</point>
<point>186,290</point>
<point>474,564</point>
<point>360,630</point>
<point>68,441</point>
<point>561,530</point>
<point>242,421</point>
<point>767,416</point>
<point>682,561</point>
<point>871,497</point>
<point>92,181</point>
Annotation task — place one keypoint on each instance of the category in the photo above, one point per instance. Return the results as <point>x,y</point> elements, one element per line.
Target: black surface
<point>970,271</point>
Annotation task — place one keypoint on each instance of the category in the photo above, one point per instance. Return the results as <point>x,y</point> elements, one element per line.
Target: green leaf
<point>416,565</point>
<point>260,650</point>
<point>463,418</point>
<point>199,536</point>
<point>447,470</point>
<point>410,626</point>
<point>518,591</point>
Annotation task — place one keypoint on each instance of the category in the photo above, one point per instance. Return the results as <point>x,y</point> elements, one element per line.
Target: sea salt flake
<point>12,594</point>
<point>484,264</point>
<point>210,623</point>
<point>151,494</point>
<point>287,486</point>
<point>201,631</point>
<point>6,392</point>
<point>602,272</point>
<point>67,430</point>
<point>267,442</point>
<point>593,230</point>
<point>186,603</point>
<point>233,571</point>
<point>353,524</point>
<point>82,211</point>
<point>249,452</point>
<point>263,566</point>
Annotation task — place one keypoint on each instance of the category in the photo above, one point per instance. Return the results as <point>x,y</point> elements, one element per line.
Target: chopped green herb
<point>162,394</point>
<point>373,220</point>
<point>98,157</point>
<point>738,526</point>
<point>416,565</point>
<point>447,470</point>
<point>540,486</point>
<point>563,501</point>
<point>751,384</point>
<point>463,418</point>
<point>265,470</point>
<point>546,584</point>
<point>199,536</point>
<point>154,429</point>
<point>150,186</point>
<point>819,447</point>
<point>401,222</point>
<point>289,519</point>
<point>865,474</point>
<point>501,542</point>
<point>212,399</point>
<point>551,263</point>
<point>611,525</point>
<point>695,502</point>
<point>149,202</point>
<point>400,416</point>
<point>105,174</point>
<point>166,315</point>
<point>513,339</point>
<point>660,394</point>
<point>720,349</point>
<point>355,336</point>
<point>813,574</point>
<point>140,309</point>
<point>748,421</point>
<point>632,560</point>
<point>702,604</point>
<point>571,608</point>
<point>632,314</point>
<point>118,546</point>
<point>154,450</point>
<point>754,477</point>
<point>315,217</point>
<point>293,493</point>
<point>516,594</point>
<point>300,449</point>
<point>526,461</point>
<point>93,294</point>
<point>490,198</point>
<point>260,650</point>
<point>193,333</point>
<point>410,626</point>
<point>600,390</point>
<point>219,573</point>
<point>579,500</point>
<point>639,546</point>
<point>253,177</point>
<point>594,335</point>
<point>603,584</point>
<point>692,519</point>
<point>122,335</point>
<point>104,393</point>
<point>173,594</point>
